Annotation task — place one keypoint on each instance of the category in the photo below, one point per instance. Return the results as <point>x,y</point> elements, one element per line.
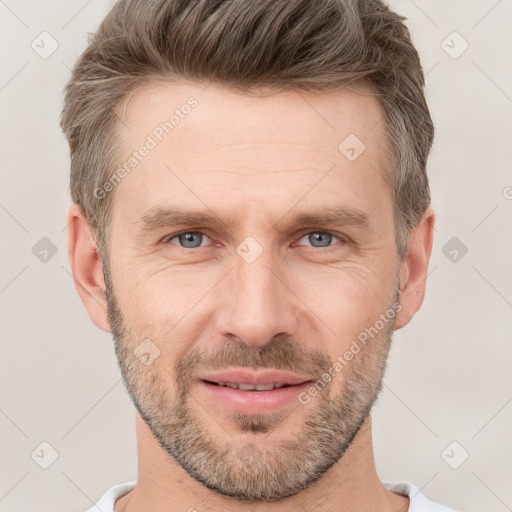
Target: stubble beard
<point>264,469</point>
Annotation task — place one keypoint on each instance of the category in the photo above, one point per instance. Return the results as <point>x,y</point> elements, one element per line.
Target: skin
<point>261,158</point>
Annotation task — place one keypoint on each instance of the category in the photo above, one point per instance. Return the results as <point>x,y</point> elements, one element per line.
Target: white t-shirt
<point>419,503</point>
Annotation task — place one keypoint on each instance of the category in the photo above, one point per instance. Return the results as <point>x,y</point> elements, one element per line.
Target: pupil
<point>321,237</point>
<point>187,240</point>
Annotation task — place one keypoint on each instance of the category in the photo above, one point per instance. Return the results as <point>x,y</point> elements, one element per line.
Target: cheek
<point>175,305</point>
<point>148,292</point>
<point>343,307</point>
<point>349,295</point>
<point>164,306</point>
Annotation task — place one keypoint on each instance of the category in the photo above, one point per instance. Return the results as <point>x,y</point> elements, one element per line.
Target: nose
<point>256,303</point>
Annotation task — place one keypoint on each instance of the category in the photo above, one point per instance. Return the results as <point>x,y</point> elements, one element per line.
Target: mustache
<point>276,354</point>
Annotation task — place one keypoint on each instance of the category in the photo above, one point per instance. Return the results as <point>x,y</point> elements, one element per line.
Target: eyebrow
<point>159,217</point>
<point>335,215</point>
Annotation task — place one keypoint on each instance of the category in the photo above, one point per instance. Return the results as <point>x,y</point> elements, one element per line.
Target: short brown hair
<point>308,45</point>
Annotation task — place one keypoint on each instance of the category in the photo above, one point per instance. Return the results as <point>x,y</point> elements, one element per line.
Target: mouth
<point>252,393</point>
<point>250,387</point>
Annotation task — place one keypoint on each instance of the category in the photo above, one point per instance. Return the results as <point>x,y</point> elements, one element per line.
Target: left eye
<point>189,239</point>
<point>193,239</point>
<point>323,238</point>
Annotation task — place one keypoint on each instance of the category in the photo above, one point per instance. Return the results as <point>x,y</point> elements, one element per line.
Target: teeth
<point>246,387</point>
<point>250,387</point>
<point>264,387</point>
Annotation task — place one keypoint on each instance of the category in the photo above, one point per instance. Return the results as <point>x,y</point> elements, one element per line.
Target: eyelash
<point>343,239</point>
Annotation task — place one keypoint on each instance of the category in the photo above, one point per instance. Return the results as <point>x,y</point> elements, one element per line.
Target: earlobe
<point>87,267</point>
<point>414,269</point>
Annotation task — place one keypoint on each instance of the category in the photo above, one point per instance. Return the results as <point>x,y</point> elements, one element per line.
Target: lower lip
<point>247,402</point>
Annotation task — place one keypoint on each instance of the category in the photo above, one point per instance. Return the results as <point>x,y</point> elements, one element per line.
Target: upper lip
<point>254,378</point>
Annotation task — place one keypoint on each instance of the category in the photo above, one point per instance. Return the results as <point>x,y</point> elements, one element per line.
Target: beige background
<point>448,378</point>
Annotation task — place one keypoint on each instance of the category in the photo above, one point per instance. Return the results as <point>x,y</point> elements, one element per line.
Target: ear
<point>87,267</point>
<point>414,269</point>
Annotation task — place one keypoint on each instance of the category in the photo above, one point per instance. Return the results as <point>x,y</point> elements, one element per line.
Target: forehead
<point>298,117</point>
<point>210,145</point>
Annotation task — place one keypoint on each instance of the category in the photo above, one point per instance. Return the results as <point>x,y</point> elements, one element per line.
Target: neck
<point>351,484</point>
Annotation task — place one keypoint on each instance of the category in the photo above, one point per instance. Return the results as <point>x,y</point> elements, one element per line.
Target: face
<point>248,248</point>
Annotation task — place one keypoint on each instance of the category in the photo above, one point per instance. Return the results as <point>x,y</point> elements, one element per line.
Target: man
<point>251,221</point>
